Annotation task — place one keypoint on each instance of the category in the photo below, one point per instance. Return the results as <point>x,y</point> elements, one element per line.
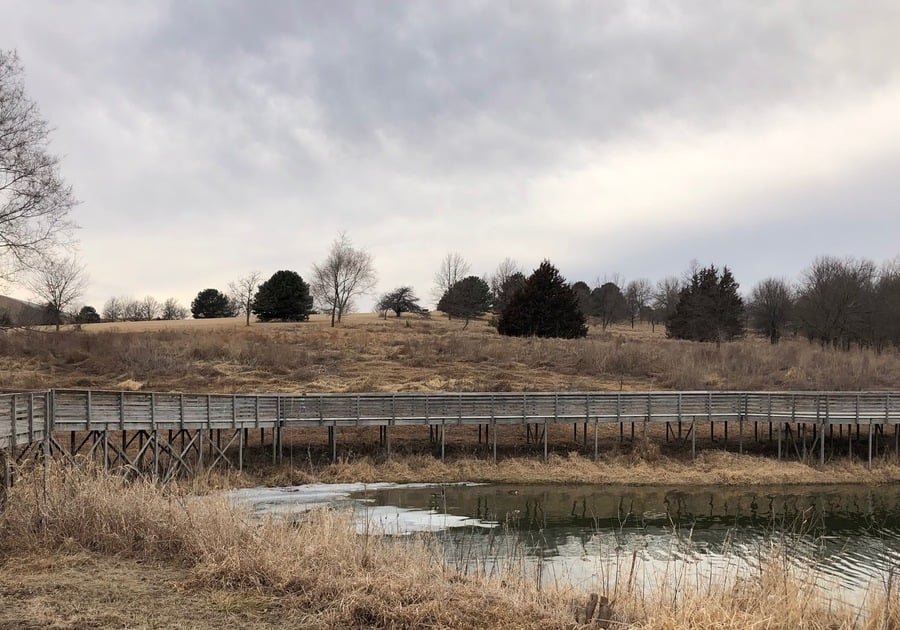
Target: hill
<point>18,312</point>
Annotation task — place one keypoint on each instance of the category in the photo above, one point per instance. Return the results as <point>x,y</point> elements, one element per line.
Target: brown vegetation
<point>137,555</point>
<point>367,353</point>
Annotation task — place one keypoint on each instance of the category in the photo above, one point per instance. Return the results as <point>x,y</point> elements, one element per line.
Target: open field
<point>367,353</point>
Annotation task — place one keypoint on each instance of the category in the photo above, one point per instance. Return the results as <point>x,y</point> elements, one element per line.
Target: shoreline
<point>710,469</point>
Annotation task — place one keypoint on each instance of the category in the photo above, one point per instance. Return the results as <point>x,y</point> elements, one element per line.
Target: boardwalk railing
<point>23,418</point>
<point>82,410</point>
<point>156,421</point>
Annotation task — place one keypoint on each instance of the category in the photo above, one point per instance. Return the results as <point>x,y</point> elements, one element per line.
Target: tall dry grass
<point>333,577</point>
<point>367,354</point>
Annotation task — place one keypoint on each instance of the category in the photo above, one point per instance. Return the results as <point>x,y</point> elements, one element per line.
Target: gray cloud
<point>210,138</point>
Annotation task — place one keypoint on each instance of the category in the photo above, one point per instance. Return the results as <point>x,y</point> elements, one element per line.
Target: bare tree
<point>770,306</point>
<point>346,273</point>
<point>835,301</point>
<point>112,309</point>
<point>886,318</point>
<point>665,299</point>
<point>637,294</point>
<point>58,282</point>
<point>505,270</point>
<point>453,269</point>
<point>149,308</point>
<point>131,309</point>
<point>34,200</point>
<point>171,309</point>
<point>242,291</point>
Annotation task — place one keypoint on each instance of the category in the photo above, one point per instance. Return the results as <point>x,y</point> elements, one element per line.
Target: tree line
<point>841,302</point>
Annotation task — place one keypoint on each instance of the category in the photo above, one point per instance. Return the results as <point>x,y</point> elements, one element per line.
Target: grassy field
<point>367,353</point>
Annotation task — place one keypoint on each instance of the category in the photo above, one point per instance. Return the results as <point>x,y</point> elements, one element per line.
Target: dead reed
<point>326,575</point>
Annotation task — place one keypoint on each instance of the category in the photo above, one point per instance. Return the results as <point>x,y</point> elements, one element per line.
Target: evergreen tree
<point>87,315</point>
<point>284,296</point>
<point>545,306</point>
<point>506,289</point>
<point>467,298</point>
<point>211,303</point>
<point>709,308</point>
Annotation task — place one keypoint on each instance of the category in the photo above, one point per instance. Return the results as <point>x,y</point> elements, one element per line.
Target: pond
<point>593,536</point>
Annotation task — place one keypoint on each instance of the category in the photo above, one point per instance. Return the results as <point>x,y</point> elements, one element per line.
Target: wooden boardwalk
<point>165,433</point>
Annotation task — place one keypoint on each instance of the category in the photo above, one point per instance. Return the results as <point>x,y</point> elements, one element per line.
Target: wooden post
<point>619,417</point>
<point>7,478</point>
<point>887,413</point>
<point>494,428</point>
<point>822,429</point>
<point>334,442</point>
<point>274,435</point>
<point>693,437</point>
<point>870,442</point>
<point>443,444</point>
<point>596,421</point>
<point>13,410</point>
<point>780,429</point>
<point>794,415</point>
<point>679,419</point>
<point>240,450</point>
<point>155,431</point>
<point>545,439</point>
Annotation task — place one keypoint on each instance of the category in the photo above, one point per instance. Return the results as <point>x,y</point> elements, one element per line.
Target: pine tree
<point>545,306</point>
<point>709,308</point>
<point>211,303</point>
<point>467,298</point>
<point>284,296</point>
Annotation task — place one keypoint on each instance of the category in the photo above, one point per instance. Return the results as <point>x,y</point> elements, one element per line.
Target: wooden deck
<point>38,421</point>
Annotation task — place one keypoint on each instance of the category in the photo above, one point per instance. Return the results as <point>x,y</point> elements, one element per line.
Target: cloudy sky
<point>207,139</point>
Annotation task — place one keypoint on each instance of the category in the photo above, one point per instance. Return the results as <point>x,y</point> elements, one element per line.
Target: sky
<point>208,139</point>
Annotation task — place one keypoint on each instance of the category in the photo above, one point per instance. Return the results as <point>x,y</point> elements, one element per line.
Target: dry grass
<point>371,354</point>
<point>711,468</point>
<point>107,541</point>
<point>329,576</point>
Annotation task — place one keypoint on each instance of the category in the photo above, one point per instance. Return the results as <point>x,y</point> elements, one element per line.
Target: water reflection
<point>584,534</point>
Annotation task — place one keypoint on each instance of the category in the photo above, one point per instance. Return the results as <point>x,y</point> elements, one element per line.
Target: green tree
<point>466,298</point>
<point>401,300</point>
<point>506,289</point>
<point>709,308</point>
<point>211,303</point>
<point>546,306</point>
<point>87,315</point>
<point>284,296</point>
